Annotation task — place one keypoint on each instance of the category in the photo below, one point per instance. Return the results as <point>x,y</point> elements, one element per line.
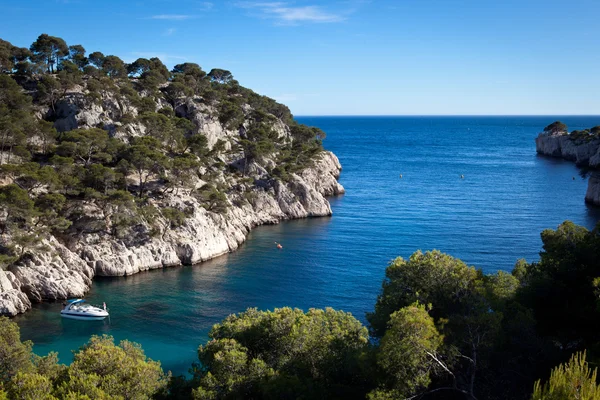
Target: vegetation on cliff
<point>440,329</point>
<point>66,180</point>
<point>559,128</point>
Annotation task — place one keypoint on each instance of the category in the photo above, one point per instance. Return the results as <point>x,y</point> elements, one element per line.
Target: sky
<point>353,57</point>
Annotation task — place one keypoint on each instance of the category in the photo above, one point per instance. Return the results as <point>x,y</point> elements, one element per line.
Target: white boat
<point>79,309</point>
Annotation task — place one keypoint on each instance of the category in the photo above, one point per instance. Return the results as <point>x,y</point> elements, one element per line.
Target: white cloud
<point>172,17</point>
<point>286,14</point>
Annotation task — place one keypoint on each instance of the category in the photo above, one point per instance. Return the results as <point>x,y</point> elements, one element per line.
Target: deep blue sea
<point>489,219</point>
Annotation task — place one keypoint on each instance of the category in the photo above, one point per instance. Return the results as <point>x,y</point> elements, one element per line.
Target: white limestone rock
<point>592,194</point>
<point>584,153</point>
<point>205,235</point>
<point>54,274</point>
<point>12,300</point>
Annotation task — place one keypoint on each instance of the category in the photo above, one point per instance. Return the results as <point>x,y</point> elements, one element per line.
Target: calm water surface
<point>489,219</point>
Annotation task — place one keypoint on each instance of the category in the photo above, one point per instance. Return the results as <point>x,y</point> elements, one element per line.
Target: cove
<point>489,219</point>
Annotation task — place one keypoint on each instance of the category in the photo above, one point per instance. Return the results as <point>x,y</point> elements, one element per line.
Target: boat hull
<point>84,317</point>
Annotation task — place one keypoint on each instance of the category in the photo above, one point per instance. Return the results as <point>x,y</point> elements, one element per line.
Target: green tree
<point>49,90</point>
<point>50,207</point>
<point>114,67</point>
<point>31,386</point>
<point>213,199</point>
<point>11,55</point>
<point>573,380</point>
<point>181,173</point>
<point>96,59</point>
<point>49,50</point>
<point>559,288</point>
<point>556,128</point>
<point>6,62</point>
<point>120,371</point>
<point>145,160</point>
<point>46,135</point>
<point>19,208</point>
<point>88,145</point>
<point>15,356</point>
<point>116,206</point>
<point>221,76</point>
<point>31,176</point>
<point>15,117</point>
<point>138,67</point>
<point>428,278</point>
<point>408,353</point>
<point>77,56</point>
<point>282,353</point>
<point>101,178</point>
<point>192,69</point>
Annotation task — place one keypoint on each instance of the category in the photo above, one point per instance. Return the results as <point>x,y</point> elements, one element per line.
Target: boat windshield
<point>82,306</point>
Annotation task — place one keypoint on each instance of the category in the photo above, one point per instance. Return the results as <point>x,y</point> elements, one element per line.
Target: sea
<point>472,187</point>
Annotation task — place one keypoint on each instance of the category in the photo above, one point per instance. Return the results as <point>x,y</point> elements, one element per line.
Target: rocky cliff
<point>61,273</point>
<point>585,152</point>
<point>288,180</point>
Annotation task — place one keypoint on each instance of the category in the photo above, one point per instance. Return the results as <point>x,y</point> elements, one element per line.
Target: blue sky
<point>353,57</point>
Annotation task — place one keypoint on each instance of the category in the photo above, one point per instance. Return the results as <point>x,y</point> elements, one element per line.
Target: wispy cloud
<point>286,14</point>
<point>169,32</point>
<point>173,17</point>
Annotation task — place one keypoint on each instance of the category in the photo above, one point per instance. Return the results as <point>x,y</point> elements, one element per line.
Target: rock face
<point>592,194</point>
<point>65,267</point>
<point>61,273</point>
<point>12,300</point>
<point>54,274</point>
<point>205,235</point>
<point>585,153</point>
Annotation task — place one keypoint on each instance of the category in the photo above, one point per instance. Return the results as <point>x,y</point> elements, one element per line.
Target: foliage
<point>407,351</point>
<point>15,356</point>
<point>556,128</point>
<point>428,278</point>
<point>573,380</point>
<point>213,199</point>
<point>275,354</point>
<point>121,370</point>
<point>449,331</point>
<point>559,288</point>
<point>49,50</point>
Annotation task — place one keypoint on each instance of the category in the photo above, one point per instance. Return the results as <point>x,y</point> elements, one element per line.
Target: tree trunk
<point>473,371</point>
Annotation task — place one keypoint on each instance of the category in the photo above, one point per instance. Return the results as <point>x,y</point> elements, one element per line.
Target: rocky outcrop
<point>12,300</point>
<point>60,272</point>
<point>56,273</point>
<point>585,153</point>
<point>592,195</point>
<point>206,235</point>
<point>64,267</point>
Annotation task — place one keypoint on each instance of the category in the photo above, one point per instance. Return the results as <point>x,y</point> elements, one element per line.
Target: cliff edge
<point>109,168</point>
<point>582,147</point>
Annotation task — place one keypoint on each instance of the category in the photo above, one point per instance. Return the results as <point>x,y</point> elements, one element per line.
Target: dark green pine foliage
<point>52,177</point>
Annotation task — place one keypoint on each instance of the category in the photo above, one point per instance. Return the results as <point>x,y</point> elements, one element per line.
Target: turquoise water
<point>490,218</point>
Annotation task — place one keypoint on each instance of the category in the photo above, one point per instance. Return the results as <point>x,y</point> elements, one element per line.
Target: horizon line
<point>446,115</point>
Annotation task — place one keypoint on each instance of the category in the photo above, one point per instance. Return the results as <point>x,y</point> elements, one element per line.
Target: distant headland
<point>581,146</point>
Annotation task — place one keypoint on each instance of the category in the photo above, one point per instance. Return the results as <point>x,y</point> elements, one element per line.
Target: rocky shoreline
<point>63,272</point>
<point>584,152</point>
